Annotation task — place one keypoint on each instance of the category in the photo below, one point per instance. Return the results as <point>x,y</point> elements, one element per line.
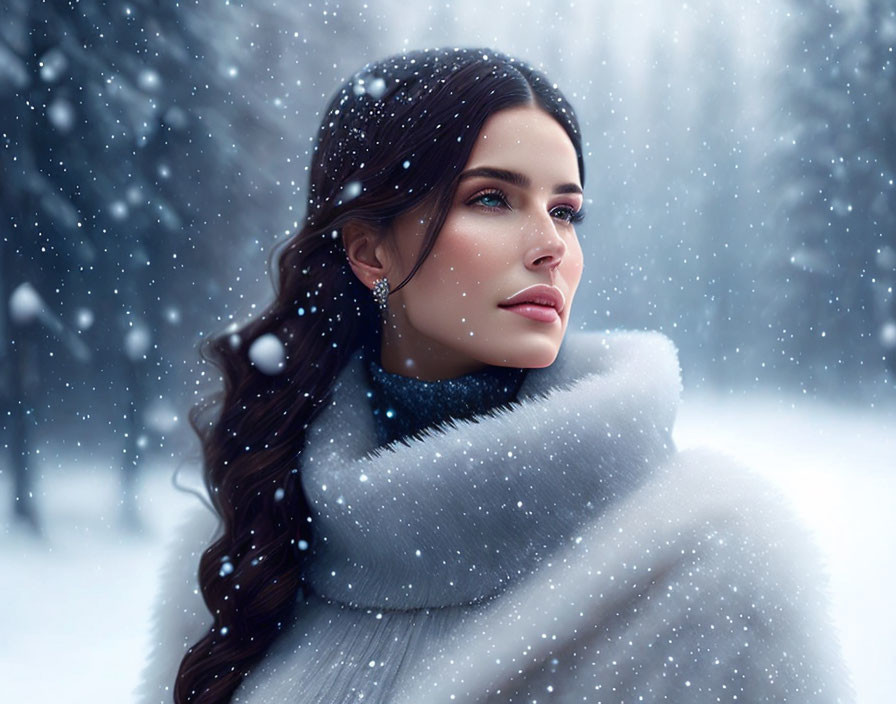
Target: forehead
<point>529,140</point>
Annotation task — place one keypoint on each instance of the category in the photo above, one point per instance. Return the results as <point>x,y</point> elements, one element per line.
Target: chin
<point>529,355</point>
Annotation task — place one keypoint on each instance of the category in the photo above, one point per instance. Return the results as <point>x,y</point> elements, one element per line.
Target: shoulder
<point>179,616</point>
<point>701,492</point>
<point>743,560</point>
<point>701,576</point>
<point>709,485</point>
<point>701,508</point>
<point>739,538</point>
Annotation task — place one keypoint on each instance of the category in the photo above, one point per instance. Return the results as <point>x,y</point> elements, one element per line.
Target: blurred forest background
<point>740,193</point>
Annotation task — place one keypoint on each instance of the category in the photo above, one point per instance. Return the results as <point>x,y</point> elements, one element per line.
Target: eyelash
<point>574,217</point>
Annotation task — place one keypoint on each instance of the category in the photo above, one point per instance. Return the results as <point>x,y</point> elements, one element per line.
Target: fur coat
<point>556,550</point>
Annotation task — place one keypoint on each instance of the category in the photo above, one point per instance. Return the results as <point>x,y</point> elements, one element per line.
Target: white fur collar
<point>464,509</point>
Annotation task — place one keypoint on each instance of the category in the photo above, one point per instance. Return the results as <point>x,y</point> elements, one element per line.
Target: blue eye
<point>570,215</point>
<point>494,199</point>
<point>490,199</point>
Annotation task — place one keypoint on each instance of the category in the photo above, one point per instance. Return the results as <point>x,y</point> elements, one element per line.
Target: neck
<point>402,405</point>
<point>422,359</point>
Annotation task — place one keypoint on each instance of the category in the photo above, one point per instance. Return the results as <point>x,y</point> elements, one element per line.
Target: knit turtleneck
<point>403,406</point>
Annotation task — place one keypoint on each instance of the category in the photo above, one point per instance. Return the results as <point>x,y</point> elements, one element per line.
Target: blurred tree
<point>836,212</point>
<point>114,145</point>
<point>152,154</point>
<point>875,98</point>
<point>723,236</point>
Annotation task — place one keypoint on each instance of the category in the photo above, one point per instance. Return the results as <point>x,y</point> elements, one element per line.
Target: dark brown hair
<point>397,133</point>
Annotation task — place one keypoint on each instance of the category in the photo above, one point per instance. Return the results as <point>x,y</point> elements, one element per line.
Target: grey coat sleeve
<point>703,587</point>
<point>180,617</point>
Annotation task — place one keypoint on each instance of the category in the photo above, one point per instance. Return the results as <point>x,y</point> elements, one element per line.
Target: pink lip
<point>543,314</point>
<point>538,296</point>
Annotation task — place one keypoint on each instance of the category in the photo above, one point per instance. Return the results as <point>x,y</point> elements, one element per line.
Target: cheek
<point>467,256</point>
<point>572,267</point>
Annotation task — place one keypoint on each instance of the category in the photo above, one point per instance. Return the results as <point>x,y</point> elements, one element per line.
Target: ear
<point>364,247</point>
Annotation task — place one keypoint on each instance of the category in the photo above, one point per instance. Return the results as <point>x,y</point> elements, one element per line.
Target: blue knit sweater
<point>403,406</point>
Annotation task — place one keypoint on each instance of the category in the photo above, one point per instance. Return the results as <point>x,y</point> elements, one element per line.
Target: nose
<point>548,247</point>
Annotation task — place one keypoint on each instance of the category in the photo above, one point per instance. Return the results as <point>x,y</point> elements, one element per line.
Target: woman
<point>429,492</point>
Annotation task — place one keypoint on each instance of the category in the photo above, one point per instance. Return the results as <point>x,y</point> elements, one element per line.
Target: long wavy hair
<point>396,134</point>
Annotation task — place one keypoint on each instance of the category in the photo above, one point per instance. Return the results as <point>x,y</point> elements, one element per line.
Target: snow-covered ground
<point>74,610</point>
<point>75,606</point>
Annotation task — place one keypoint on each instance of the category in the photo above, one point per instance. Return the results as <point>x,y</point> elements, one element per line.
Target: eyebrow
<point>515,178</point>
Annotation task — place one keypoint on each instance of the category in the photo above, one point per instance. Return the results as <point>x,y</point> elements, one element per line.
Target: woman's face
<point>509,228</point>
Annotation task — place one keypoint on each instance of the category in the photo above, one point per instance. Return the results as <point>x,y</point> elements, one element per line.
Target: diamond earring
<point>381,293</point>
